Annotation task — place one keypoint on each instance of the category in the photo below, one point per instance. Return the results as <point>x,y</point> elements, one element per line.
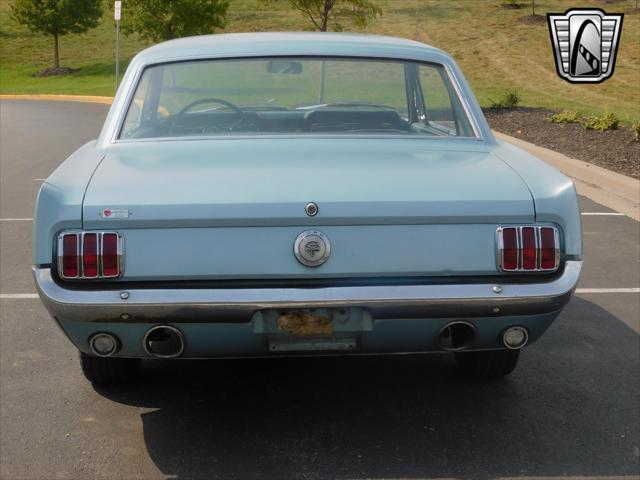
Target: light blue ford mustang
<point>295,194</point>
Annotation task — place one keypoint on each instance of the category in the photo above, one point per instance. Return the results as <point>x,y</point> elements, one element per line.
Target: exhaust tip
<point>104,344</point>
<point>514,338</point>
<point>163,341</point>
<point>456,336</point>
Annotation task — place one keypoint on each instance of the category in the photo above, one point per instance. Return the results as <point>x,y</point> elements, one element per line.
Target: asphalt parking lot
<point>572,407</point>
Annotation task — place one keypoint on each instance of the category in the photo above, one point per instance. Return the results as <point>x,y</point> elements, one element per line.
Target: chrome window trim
<point>465,105</point>
<point>117,124</point>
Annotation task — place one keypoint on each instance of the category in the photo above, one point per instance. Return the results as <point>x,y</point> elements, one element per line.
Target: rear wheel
<point>489,364</point>
<point>109,370</point>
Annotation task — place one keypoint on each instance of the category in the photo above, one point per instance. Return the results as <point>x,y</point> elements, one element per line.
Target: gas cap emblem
<point>312,248</point>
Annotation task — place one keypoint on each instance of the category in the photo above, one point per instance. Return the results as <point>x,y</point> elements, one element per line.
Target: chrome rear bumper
<point>237,305</point>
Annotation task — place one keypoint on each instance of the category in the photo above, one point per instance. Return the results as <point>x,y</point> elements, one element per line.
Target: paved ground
<point>570,409</point>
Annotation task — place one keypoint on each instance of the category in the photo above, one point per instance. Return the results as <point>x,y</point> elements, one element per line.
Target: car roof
<point>290,43</point>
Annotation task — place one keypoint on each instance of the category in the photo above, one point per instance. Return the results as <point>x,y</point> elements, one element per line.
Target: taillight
<point>548,248</point>
<point>89,255</point>
<point>510,249</point>
<point>69,257</point>
<point>110,255</point>
<point>528,249</point>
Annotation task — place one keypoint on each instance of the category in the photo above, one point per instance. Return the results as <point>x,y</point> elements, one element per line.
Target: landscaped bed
<point>617,150</point>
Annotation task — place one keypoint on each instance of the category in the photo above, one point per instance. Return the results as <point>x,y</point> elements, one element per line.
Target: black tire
<point>488,364</point>
<point>109,370</point>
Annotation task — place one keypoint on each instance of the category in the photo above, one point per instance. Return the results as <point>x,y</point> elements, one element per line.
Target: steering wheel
<point>185,109</point>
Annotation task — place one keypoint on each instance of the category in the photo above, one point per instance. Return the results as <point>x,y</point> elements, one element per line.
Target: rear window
<point>294,95</point>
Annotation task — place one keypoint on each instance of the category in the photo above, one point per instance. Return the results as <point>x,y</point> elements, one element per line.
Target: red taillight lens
<point>110,258</point>
<point>509,249</point>
<point>547,248</point>
<point>528,248</point>
<point>70,255</point>
<point>90,255</point>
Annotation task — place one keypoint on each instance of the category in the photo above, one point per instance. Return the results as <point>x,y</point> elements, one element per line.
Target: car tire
<point>109,371</point>
<point>489,364</point>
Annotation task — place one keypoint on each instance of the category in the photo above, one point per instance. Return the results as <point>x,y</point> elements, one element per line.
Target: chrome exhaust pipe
<point>456,336</point>
<point>163,341</point>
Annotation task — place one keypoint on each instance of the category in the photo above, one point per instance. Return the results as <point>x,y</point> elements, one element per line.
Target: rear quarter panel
<point>554,194</point>
<point>59,202</point>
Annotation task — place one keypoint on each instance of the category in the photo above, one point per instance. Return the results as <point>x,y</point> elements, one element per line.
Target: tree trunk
<point>533,8</point>
<point>56,51</point>
<point>325,16</point>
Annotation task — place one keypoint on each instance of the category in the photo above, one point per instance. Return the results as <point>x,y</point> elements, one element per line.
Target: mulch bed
<point>617,150</point>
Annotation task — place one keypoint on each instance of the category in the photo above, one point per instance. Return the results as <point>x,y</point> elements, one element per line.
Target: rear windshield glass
<point>294,96</point>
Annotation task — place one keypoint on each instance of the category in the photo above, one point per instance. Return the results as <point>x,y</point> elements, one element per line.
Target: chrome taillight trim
<point>538,241</point>
<point>120,254</point>
<point>61,254</point>
<point>80,254</point>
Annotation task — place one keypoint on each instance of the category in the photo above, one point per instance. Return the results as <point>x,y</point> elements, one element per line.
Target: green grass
<point>495,50</point>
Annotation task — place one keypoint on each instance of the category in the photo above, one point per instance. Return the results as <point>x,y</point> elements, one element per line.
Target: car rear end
<point>347,220</point>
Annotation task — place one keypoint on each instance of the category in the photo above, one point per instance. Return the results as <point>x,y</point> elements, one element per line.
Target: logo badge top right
<point>585,43</point>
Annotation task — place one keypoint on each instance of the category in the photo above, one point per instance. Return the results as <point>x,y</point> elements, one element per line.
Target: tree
<point>322,12</point>
<point>57,18</point>
<point>159,20</point>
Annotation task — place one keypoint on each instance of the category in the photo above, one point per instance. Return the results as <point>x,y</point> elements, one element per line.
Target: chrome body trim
<point>210,305</point>
<point>80,253</point>
<point>537,230</point>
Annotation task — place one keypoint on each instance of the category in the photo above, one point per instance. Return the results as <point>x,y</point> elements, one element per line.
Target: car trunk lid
<point>256,182</point>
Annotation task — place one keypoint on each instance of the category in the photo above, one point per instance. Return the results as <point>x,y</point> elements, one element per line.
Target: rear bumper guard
<point>239,305</point>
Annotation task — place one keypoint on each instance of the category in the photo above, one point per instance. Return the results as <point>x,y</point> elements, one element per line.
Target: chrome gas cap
<point>312,248</point>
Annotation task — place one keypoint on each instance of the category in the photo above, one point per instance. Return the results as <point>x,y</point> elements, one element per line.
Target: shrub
<point>509,99</point>
<point>635,128</point>
<point>607,122</point>
<point>565,116</point>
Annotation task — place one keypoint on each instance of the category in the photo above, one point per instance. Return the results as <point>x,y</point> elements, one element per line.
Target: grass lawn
<point>496,51</point>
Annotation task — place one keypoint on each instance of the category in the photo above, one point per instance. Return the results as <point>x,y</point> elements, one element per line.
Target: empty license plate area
<point>312,329</point>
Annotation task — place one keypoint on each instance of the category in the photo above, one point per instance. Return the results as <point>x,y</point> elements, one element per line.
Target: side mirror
<point>284,66</point>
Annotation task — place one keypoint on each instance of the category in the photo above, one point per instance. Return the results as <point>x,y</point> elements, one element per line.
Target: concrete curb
<point>611,189</point>
<point>60,98</point>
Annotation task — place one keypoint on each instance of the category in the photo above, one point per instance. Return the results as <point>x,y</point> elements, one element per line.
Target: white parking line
<point>16,219</point>
<point>608,290</point>
<point>38,179</point>
<point>17,296</point>
<point>603,214</point>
